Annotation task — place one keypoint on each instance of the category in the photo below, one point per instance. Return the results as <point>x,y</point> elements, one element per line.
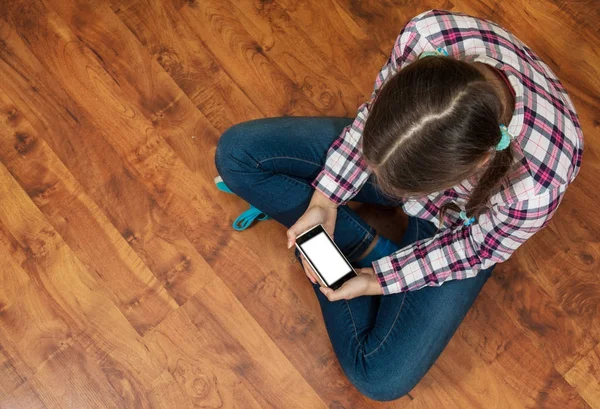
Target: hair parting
<point>434,124</point>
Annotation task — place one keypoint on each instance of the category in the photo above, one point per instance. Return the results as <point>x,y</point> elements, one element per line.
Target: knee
<point>383,385</point>
<point>229,148</point>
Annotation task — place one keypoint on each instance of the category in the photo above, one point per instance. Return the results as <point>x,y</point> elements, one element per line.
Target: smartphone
<point>325,257</point>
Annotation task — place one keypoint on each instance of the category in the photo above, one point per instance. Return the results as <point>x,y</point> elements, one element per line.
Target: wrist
<point>319,199</point>
<point>375,286</point>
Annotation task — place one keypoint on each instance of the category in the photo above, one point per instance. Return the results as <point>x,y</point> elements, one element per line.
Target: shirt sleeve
<point>456,254</point>
<point>345,171</point>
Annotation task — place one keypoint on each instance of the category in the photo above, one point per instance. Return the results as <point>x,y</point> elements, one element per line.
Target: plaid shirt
<point>548,149</point>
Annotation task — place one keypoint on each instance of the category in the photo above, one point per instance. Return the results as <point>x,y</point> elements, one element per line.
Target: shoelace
<point>244,220</point>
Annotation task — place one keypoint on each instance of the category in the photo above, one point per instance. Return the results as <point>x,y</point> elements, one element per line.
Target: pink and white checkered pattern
<point>548,148</point>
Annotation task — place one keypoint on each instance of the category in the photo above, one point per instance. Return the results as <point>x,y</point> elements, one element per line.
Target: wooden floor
<point>122,284</point>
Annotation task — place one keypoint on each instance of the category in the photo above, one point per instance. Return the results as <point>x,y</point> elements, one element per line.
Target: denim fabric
<point>384,344</point>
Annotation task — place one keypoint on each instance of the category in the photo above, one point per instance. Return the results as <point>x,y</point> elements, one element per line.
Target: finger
<point>291,236</point>
<point>315,278</point>
<point>308,271</point>
<point>300,226</point>
<point>304,223</point>
<point>335,295</point>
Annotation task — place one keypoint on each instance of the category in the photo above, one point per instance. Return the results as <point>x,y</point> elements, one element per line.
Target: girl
<point>467,130</point>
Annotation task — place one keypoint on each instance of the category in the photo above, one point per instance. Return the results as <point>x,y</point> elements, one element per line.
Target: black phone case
<point>312,233</point>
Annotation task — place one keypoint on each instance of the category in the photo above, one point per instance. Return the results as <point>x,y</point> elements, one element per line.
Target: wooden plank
<point>514,357</point>
<point>585,12</point>
<point>585,377</point>
<point>101,329</point>
<point>383,20</point>
<point>247,57</point>
<point>207,230</point>
<point>72,378</point>
<point>133,88</point>
<point>38,243</point>
<point>146,155</point>
<point>10,379</point>
<point>471,382</point>
<point>204,383</point>
<point>217,308</point>
<point>106,118</point>
<point>148,229</point>
<point>24,397</point>
<point>184,56</point>
<point>137,293</point>
<point>331,29</point>
<point>213,345</point>
<point>431,395</point>
<point>166,393</point>
<point>542,319</point>
<point>311,69</point>
<point>25,347</point>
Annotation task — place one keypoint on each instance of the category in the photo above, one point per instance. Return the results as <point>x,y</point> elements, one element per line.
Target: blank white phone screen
<point>326,258</point>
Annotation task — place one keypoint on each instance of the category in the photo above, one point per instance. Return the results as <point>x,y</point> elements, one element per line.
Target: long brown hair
<point>431,126</point>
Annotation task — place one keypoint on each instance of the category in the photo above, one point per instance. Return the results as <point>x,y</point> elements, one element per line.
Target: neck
<point>502,89</point>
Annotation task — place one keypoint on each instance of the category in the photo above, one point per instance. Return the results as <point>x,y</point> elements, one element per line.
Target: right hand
<point>320,210</point>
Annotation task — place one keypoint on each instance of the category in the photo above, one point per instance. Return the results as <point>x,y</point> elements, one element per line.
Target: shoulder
<point>435,23</point>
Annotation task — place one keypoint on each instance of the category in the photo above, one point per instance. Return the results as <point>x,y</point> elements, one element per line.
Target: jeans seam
<point>259,162</point>
<point>401,305</point>
<point>368,234</point>
<point>353,323</point>
<point>390,331</point>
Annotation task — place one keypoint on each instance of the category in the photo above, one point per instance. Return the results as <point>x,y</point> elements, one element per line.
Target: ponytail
<point>496,170</point>
<point>431,126</point>
<point>478,203</point>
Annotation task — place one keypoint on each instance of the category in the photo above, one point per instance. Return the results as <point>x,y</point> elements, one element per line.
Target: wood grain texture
<point>584,375</point>
<point>61,121</point>
<point>122,283</point>
<point>72,367</point>
<point>183,55</point>
<point>141,298</point>
<point>226,37</point>
<point>24,397</point>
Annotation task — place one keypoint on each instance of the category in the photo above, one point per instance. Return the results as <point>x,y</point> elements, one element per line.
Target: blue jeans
<point>384,344</point>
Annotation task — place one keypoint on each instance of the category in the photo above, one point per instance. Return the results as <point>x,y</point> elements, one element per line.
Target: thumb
<point>300,226</point>
<point>334,295</point>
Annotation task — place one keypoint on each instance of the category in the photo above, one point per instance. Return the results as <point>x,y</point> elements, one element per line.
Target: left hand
<point>365,283</point>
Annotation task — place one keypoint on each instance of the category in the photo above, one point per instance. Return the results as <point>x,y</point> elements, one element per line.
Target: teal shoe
<point>245,219</point>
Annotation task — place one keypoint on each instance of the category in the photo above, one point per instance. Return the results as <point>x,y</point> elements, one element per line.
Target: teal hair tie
<point>505,139</point>
<point>438,52</point>
<point>467,221</point>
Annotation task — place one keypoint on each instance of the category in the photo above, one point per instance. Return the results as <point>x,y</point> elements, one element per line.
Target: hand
<point>365,283</point>
<point>320,210</point>
<point>312,276</point>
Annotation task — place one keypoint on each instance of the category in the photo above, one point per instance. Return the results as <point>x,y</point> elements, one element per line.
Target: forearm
<point>320,199</point>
